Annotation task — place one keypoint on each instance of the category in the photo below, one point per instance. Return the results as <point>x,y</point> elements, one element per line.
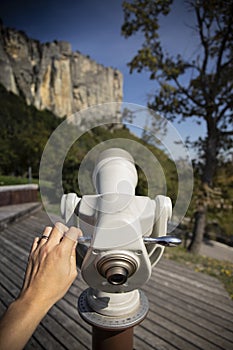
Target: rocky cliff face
<point>51,76</point>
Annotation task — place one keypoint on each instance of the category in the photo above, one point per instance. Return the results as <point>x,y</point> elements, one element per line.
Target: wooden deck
<point>188,310</point>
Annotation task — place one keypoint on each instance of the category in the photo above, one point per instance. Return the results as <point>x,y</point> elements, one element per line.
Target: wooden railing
<point>18,194</point>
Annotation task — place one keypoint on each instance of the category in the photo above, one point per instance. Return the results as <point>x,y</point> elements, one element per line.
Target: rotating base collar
<point>110,322</point>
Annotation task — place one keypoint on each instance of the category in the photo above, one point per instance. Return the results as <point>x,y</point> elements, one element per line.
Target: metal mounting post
<point>103,339</point>
<point>111,332</point>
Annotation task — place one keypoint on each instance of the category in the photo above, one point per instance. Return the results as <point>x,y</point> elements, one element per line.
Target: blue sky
<point>94,28</point>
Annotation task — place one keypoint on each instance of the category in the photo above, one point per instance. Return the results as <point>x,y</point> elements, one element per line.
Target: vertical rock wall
<point>51,76</point>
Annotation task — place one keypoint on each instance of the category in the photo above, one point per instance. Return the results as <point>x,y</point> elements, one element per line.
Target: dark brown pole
<point>103,339</point>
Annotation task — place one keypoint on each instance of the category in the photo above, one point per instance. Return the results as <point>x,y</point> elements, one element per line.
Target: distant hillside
<point>51,76</point>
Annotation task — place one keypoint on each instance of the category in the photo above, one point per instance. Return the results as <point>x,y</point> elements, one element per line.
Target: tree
<point>199,88</point>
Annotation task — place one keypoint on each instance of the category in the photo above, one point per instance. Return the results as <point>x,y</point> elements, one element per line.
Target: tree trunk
<point>205,193</point>
<point>198,230</point>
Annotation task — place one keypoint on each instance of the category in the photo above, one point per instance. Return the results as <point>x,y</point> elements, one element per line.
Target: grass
<point>223,270</point>
<point>14,180</point>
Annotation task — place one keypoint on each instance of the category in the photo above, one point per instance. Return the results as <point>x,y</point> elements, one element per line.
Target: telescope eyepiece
<point>117,268</point>
<point>117,275</point>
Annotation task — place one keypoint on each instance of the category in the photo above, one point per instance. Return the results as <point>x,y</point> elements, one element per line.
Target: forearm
<point>19,322</point>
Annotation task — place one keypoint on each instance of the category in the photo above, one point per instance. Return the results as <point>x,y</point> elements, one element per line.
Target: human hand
<point>52,266</point>
<point>50,272</point>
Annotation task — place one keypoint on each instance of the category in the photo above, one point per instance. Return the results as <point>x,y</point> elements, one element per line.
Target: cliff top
<point>51,76</point>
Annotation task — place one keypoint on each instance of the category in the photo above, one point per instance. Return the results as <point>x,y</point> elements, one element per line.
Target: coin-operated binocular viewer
<point>124,237</point>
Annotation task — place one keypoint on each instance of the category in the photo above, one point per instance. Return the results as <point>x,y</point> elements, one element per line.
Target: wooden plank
<point>2,307</point>
<point>33,344</point>
<point>146,338</point>
<point>45,339</point>
<point>193,299</point>
<point>160,330</point>
<point>191,314</point>
<point>195,291</point>
<point>196,309</point>
<point>189,328</point>
<point>72,321</point>
<point>9,254</point>
<point>188,310</point>
<point>173,266</point>
<point>203,285</point>
<point>11,288</point>
<point>180,337</point>
<point>60,332</point>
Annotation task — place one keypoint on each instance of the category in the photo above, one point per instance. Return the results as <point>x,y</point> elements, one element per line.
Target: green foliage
<point>220,211</point>
<point>6,180</point>
<point>23,134</point>
<point>206,91</point>
<point>219,220</point>
<point>99,134</point>
<point>143,15</point>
